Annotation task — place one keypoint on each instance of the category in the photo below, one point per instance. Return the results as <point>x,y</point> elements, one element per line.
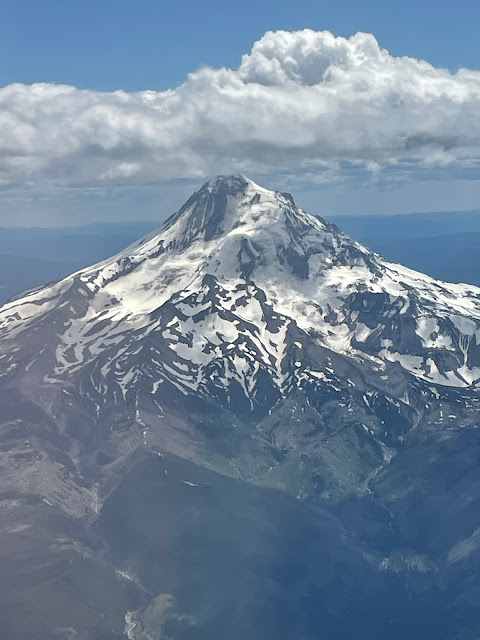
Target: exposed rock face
<point>245,425</point>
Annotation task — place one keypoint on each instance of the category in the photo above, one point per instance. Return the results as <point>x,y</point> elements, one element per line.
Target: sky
<point>117,110</point>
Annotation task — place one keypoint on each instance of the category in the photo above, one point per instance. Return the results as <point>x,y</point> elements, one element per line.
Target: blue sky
<point>110,45</point>
<point>153,44</point>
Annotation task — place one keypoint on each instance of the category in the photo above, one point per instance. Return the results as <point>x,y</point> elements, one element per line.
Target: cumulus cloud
<point>299,101</point>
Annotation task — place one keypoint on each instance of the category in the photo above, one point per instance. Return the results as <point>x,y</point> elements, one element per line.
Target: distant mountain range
<point>33,256</point>
<point>72,245</point>
<point>452,252</point>
<point>410,225</point>
<point>444,245</point>
<point>454,258</point>
<point>244,425</point>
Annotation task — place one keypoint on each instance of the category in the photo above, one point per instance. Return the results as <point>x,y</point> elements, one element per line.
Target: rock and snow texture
<point>216,294</point>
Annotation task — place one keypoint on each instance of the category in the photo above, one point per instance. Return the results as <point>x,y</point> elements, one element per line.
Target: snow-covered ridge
<point>222,283</point>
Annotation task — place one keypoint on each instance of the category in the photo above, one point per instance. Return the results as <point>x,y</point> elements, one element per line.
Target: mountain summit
<point>246,360</point>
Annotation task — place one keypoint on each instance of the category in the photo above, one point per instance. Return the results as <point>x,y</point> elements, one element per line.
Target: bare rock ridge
<point>244,425</point>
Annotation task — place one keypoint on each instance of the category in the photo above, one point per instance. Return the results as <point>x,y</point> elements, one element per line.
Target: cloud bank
<point>299,101</point>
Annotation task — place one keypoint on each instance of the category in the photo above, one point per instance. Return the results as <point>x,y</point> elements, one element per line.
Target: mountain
<point>244,425</point>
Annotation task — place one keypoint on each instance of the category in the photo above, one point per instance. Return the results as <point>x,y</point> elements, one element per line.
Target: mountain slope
<point>290,366</point>
<point>18,274</point>
<point>31,256</point>
<point>455,258</point>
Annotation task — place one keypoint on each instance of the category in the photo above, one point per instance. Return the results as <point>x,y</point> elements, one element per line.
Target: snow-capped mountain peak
<point>235,206</point>
<point>224,292</point>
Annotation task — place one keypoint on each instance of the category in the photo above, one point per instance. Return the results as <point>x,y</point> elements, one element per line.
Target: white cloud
<point>300,101</point>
